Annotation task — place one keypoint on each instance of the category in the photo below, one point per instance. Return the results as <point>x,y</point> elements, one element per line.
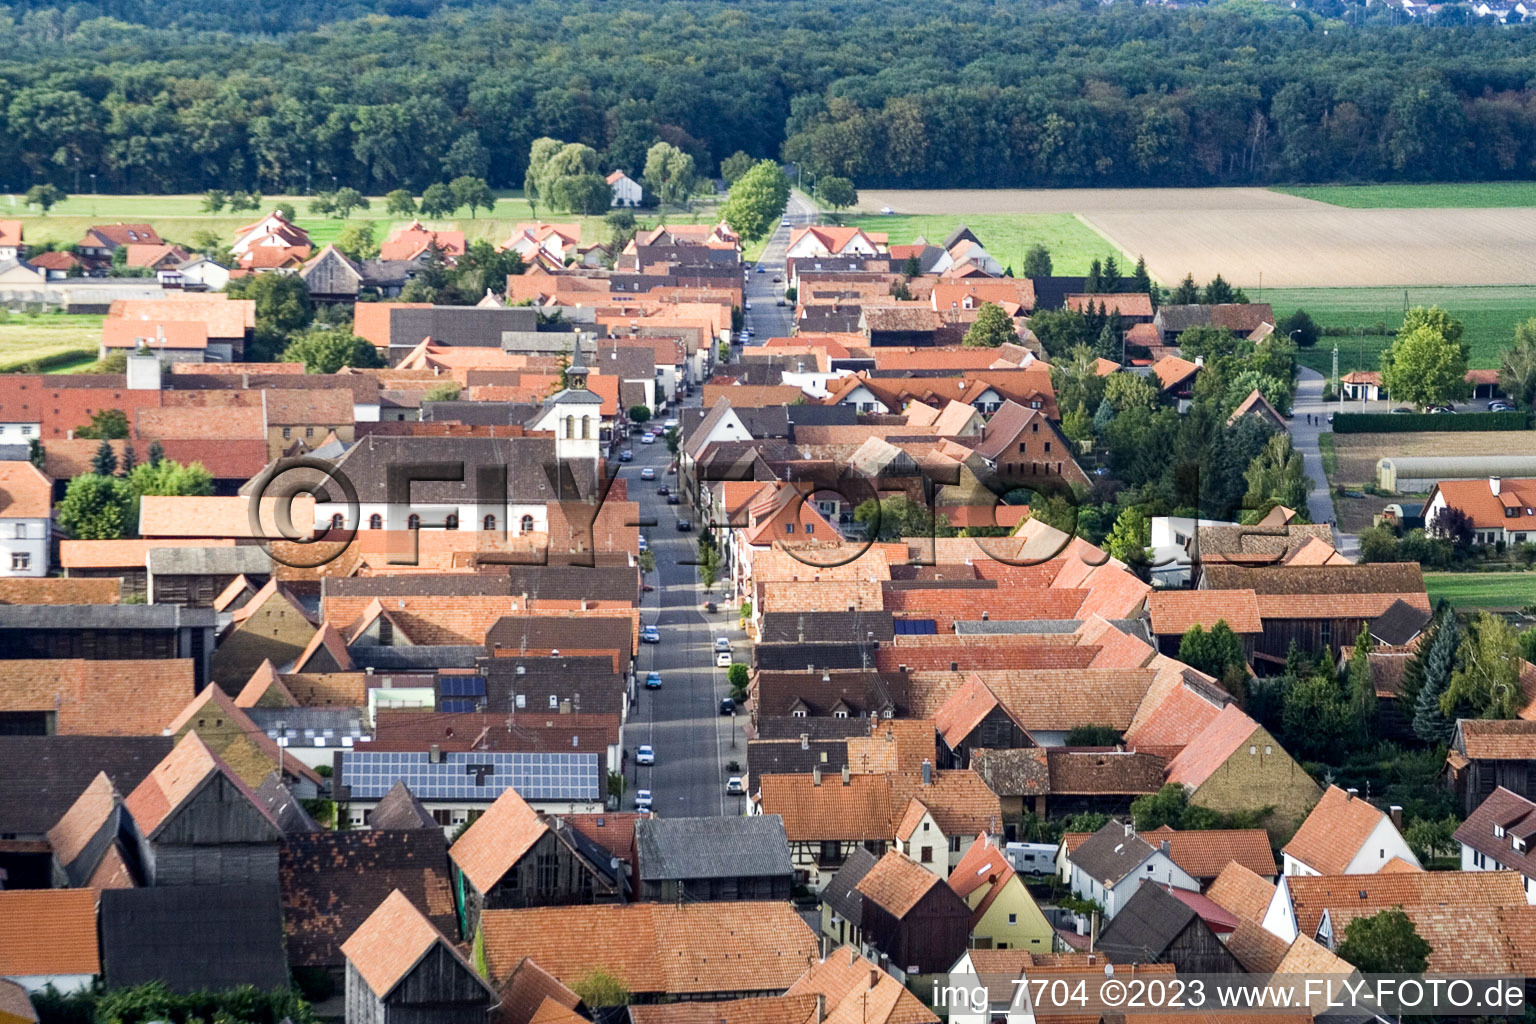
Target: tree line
<point>377,95</point>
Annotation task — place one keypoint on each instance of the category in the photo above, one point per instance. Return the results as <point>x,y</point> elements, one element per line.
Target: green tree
<point>639,414</point>
<point>1435,318</point>
<point>111,424</point>
<point>97,507</point>
<point>757,200</point>
<point>400,203</point>
<point>1092,736</point>
<point>45,197</point>
<point>1385,942</point>
<point>1037,261</point>
<point>36,453</point>
<point>1187,293</point>
<point>104,462</point>
<point>1423,367</point>
<point>1486,681</point>
<point>472,192</point>
<point>326,351</point>
<point>1110,278</point>
<point>214,200</point>
<point>621,228</point>
<point>1094,282</point>
<point>580,193</point>
<point>1428,676</point>
<point>168,477</point>
<point>540,153</point>
<point>1517,366</point>
<point>1126,391</point>
<point>1299,326</point>
<point>438,201</point>
<point>1168,806</point>
<point>1362,685</point>
<point>837,193</point>
<point>669,174</point>
<point>1141,281</point>
<point>1277,473</point>
<point>898,517</point>
<point>1215,652</point>
<point>322,204</point>
<point>737,676</point>
<point>991,328</point>
<point>673,439</point>
<point>1431,839</point>
<point>156,454</point>
<point>345,200</point>
<point>356,241</point>
<point>1129,538</point>
<point>283,308</point>
<point>734,166</point>
<point>1219,292</point>
<point>1315,716</point>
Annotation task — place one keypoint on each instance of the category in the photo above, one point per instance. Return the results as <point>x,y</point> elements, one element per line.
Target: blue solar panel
<point>457,704</point>
<point>473,776</point>
<point>915,627</point>
<point>462,686</point>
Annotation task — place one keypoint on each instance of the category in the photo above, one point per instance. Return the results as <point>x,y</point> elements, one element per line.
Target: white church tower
<point>575,415</point>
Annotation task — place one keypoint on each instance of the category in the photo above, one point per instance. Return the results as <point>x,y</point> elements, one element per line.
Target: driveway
<point>1304,435</point>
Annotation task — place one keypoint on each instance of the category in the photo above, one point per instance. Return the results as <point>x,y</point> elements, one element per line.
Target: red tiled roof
<point>1210,749</point>
<point>1175,611</point>
<point>99,698</point>
<point>897,883</point>
<point>25,493</point>
<point>393,940</point>
<point>48,932</point>
<point>1334,831</point>
<point>497,840</point>
<point>1205,853</point>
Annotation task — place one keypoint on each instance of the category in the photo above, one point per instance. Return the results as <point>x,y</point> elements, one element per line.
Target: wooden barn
<point>402,970</point>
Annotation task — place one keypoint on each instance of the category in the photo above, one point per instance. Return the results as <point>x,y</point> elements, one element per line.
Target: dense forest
<point>300,95</point>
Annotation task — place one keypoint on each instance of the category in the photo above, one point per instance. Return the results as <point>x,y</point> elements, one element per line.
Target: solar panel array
<point>461,686</point>
<point>915,627</point>
<point>456,704</point>
<point>473,775</point>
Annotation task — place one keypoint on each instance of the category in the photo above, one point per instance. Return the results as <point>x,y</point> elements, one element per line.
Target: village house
<point>907,916</point>
<point>70,961</point>
<point>402,970</point>
<point>26,520</point>
<point>1500,511</point>
<point>1488,754</point>
<point>1345,835</point>
<point>1111,865</point>
<point>740,858</point>
<point>626,190</point>
<point>1497,837</point>
<point>12,239</point>
<point>1235,765</point>
<point>1158,924</point>
<point>1003,913</point>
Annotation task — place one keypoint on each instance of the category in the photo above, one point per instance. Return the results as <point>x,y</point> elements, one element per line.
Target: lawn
<point>1007,236</point>
<point>1489,313</point>
<point>178,218</point>
<point>1417,197</point>
<point>33,335</point>
<point>1478,590</point>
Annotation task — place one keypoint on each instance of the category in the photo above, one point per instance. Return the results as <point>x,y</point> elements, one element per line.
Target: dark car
<point>673,499</point>
<point>684,525</point>
<point>727,706</point>
<point>663,490</point>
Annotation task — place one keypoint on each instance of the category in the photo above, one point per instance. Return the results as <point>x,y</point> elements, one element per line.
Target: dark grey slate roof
<point>982,626</point>
<point>15,452</point>
<point>105,616</point>
<point>423,658</point>
<point>285,808</point>
<point>194,937</point>
<point>552,633</point>
<point>528,463</point>
<point>842,894</point>
<point>41,776</point>
<point>826,627</point>
<point>1399,624</point>
<point>1052,292</point>
<point>249,559</point>
<point>476,326</point>
<point>478,413</point>
<point>821,415</point>
<point>781,727</point>
<point>399,809</point>
<point>551,582</point>
<point>588,683</point>
<point>697,848</point>
<point>1110,854</point>
<point>795,657</point>
<point>1146,926</point>
<point>787,757</point>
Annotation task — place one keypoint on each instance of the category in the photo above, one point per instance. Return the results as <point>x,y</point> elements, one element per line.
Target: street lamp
<point>733,730</point>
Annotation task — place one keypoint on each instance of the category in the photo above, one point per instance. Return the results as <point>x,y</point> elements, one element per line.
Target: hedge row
<point>1408,423</point>
<point>39,363</point>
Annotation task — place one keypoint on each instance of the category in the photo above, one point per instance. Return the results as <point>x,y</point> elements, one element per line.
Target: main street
<point>693,741</point>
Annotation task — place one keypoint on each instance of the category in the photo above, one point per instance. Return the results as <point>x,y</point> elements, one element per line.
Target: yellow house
<point>1003,913</point>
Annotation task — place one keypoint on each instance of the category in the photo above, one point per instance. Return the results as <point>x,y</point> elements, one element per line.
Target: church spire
<point>576,373</point>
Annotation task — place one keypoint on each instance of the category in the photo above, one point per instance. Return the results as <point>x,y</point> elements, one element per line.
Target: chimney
<point>815,776</point>
<point>927,772</point>
<point>435,754</point>
<point>874,978</point>
<point>821,1007</point>
<point>1130,829</point>
<point>845,775</point>
<point>1165,847</point>
<point>1093,930</point>
<point>1396,811</point>
<point>805,741</point>
<point>1351,793</point>
<point>1493,485</point>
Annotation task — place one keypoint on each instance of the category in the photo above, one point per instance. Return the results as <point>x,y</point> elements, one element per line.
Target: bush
<point>1405,423</point>
<point>37,364</point>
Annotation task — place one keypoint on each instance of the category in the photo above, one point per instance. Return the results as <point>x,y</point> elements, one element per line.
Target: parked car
<point>663,490</point>
<point>647,438</point>
<point>669,425</point>
<point>1400,410</point>
<point>642,800</point>
<point>722,644</point>
<point>1439,410</point>
<point>781,301</point>
<point>734,786</point>
<point>723,659</point>
<point>647,473</point>
<point>751,332</point>
<point>760,269</point>
<point>747,306</point>
<point>643,545</point>
<point>1500,407</point>
<point>646,754</point>
<point>684,525</point>
<point>727,706</point>
<point>626,455</point>
<point>778,280</point>
<point>887,210</point>
<point>673,499</point>
<point>653,680</point>
<point>650,635</point>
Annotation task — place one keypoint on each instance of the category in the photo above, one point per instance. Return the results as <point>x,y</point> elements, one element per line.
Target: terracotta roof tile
<point>25,493</point>
<point>175,779</point>
<point>964,710</point>
<point>1104,772</point>
<point>859,992</point>
<point>1334,831</point>
<point>1497,740</point>
<point>897,882</point>
<point>60,590</point>
<point>99,698</point>
<point>1259,950</point>
<point>1205,853</point>
<point>775,1010</point>
<point>391,942</point>
<point>1242,891</point>
<point>1175,611</point>
<point>497,840</point>
<point>48,932</point>
<point>528,990</point>
<point>709,947</point>
<point>871,806</point>
<point>1210,749</point>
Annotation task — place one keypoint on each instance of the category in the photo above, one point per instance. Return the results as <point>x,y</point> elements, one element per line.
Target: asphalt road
<point>766,318</point>
<point>682,720</point>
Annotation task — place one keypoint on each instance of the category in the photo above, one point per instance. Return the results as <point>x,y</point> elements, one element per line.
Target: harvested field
<point>1358,453</point>
<point>1285,241</point>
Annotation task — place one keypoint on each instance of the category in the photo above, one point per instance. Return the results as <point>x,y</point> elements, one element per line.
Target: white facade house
<point>205,274</point>
<point>821,240</point>
<point>11,246</point>
<point>1499,836</point>
<point>626,190</point>
<point>26,520</point>
<point>1345,835</point>
<point>1111,864</point>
